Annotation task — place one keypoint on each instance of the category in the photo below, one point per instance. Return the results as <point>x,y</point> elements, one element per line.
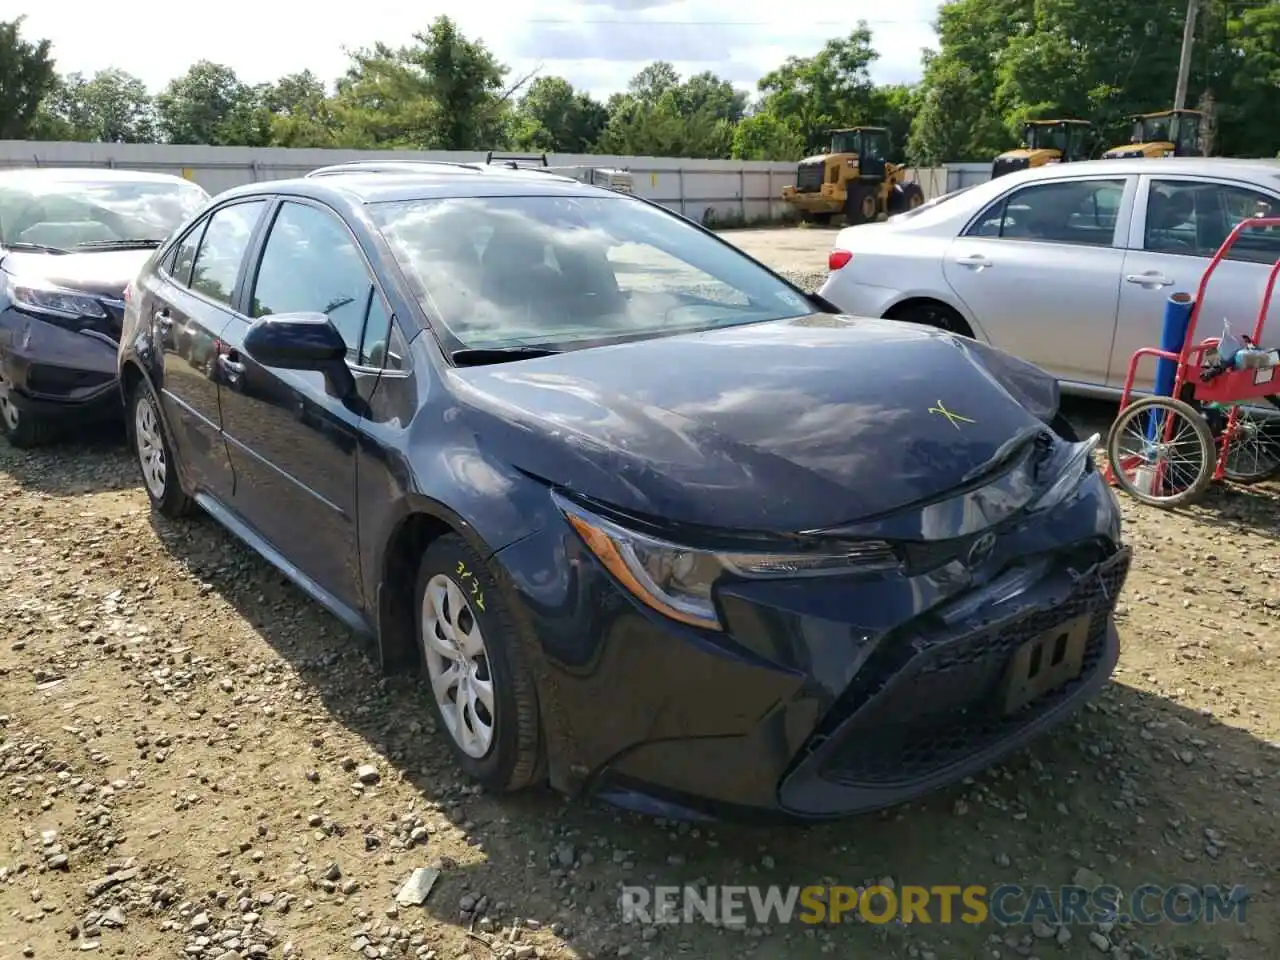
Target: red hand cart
<point>1210,429</point>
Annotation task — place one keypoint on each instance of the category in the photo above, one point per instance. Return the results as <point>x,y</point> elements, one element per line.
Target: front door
<point>1040,271</point>
<point>293,442</point>
<point>188,304</point>
<point>1180,223</point>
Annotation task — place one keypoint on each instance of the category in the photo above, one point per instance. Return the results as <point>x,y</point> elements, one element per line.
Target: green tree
<point>442,92</point>
<point>554,118</point>
<point>957,117</point>
<point>110,107</point>
<point>301,113</point>
<point>210,104</point>
<point>830,89</point>
<point>664,115</point>
<point>765,136</point>
<point>27,75</point>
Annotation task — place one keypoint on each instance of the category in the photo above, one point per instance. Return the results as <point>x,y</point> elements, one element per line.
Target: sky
<point>598,45</point>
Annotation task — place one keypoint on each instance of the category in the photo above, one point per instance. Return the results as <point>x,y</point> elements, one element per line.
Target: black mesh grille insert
<point>809,177</point>
<point>936,703</point>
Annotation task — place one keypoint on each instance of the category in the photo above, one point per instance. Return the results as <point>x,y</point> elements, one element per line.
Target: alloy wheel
<point>458,665</point>
<point>8,412</point>
<point>150,445</point>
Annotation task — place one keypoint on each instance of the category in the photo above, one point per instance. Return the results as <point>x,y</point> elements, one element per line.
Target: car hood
<point>784,426</point>
<point>103,273</point>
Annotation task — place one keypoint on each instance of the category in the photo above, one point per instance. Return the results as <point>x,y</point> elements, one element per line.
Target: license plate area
<point>1045,663</point>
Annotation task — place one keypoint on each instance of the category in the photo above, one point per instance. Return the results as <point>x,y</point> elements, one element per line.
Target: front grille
<point>930,700</point>
<point>1005,165</point>
<point>809,177</point>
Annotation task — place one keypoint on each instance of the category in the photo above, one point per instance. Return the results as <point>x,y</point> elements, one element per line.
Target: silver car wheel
<point>458,665</point>
<point>150,445</point>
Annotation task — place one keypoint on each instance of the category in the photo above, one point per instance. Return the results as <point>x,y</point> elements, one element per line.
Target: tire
<point>1177,488</point>
<point>1254,454</point>
<point>154,451</point>
<point>859,204</point>
<point>912,195</point>
<point>23,430</point>
<point>508,757</point>
<point>937,315</point>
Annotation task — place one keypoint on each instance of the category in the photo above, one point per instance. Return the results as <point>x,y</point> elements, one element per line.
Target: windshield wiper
<point>478,356</point>
<point>23,245</point>
<point>107,244</point>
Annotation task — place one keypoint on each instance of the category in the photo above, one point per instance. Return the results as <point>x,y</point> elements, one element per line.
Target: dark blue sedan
<point>659,527</point>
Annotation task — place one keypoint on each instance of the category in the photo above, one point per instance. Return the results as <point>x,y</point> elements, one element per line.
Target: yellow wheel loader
<point>1047,141</point>
<point>1169,133</point>
<point>854,178</point>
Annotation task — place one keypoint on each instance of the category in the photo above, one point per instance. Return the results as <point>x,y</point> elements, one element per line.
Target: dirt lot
<point>184,740</point>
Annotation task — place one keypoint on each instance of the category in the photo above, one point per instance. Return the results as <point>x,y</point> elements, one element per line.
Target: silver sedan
<point>1069,265</point>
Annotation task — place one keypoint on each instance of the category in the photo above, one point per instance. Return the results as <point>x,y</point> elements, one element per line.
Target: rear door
<point>1040,271</point>
<point>188,307</point>
<point>1180,223</point>
<point>293,444</point>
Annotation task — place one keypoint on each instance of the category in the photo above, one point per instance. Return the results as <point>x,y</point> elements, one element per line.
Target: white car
<point>1070,265</point>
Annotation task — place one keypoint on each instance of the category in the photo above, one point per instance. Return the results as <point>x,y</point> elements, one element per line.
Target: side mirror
<point>301,341</point>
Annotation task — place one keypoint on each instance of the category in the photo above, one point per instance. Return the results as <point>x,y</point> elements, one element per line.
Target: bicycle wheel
<point>1254,453</point>
<point>1161,452</point>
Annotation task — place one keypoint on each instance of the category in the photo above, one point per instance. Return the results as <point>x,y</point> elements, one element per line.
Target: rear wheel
<point>1254,454</point>
<point>21,428</point>
<point>930,313</point>
<point>155,454</point>
<point>1161,452</point>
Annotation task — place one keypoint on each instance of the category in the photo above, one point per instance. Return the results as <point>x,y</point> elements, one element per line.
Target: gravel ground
<point>197,761</point>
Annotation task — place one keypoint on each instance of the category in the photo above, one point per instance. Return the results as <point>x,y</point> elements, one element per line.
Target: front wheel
<point>155,454</point>
<point>22,428</point>
<point>481,688</point>
<point>1161,452</point>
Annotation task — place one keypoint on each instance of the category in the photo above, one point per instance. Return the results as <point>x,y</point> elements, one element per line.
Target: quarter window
<point>1194,218</point>
<point>185,255</point>
<point>226,238</point>
<point>1079,212</point>
<point>310,264</point>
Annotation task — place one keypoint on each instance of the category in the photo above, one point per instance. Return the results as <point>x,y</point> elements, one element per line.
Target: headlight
<point>677,581</point>
<point>45,298</point>
<point>1068,468</point>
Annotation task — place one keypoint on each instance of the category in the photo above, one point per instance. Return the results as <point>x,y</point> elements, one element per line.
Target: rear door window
<point>1193,218</point>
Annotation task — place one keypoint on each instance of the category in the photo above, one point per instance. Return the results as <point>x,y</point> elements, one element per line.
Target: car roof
<point>425,184</point>
<point>88,175</point>
<point>1127,166</point>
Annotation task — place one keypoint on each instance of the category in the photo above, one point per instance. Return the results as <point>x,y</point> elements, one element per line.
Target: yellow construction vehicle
<point>1154,135</point>
<point>1047,141</point>
<point>854,178</point>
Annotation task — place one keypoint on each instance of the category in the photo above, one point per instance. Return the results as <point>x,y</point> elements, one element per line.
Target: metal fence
<point>726,191</point>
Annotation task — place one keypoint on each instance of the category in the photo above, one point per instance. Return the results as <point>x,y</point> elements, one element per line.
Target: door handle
<point>1151,279</point>
<point>977,260</point>
<point>233,367</point>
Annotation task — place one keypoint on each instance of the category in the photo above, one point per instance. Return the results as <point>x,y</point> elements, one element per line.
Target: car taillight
<point>837,259</point>
<point>128,293</point>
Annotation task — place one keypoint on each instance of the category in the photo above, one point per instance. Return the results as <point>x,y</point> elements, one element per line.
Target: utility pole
<point>1184,65</point>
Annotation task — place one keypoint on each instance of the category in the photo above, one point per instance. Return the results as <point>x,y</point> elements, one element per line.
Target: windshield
<point>1151,130</point>
<point>932,204</point>
<point>558,272</point>
<point>71,214</point>
<point>1045,137</point>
